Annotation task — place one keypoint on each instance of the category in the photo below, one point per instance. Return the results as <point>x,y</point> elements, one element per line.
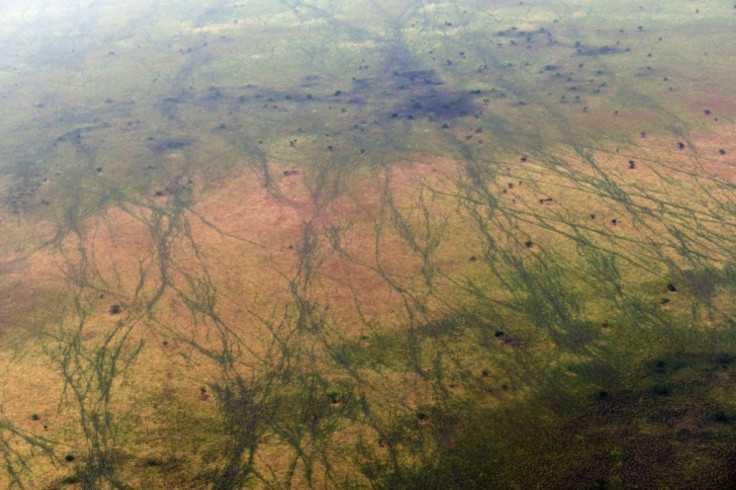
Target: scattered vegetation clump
<point>333,397</point>
<point>724,360</point>
<point>321,291</point>
<point>661,389</point>
<point>169,144</point>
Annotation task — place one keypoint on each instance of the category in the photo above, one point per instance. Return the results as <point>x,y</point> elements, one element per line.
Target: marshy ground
<point>405,244</point>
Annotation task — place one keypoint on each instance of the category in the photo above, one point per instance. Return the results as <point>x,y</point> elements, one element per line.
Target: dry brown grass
<point>249,240</point>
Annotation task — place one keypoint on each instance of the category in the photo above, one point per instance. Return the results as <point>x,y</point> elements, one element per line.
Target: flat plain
<point>403,244</point>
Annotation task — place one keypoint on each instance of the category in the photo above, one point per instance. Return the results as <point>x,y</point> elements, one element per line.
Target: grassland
<point>405,244</point>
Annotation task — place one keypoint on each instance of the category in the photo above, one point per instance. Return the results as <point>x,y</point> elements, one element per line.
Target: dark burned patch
<point>414,94</point>
<point>217,98</point>
<point>417,77</point>
<point>169,144</point>
<point>396,82</point>
<point>311,81</point>
<point>435,104</point>
<point>407,94</point>
<point>598,51</point>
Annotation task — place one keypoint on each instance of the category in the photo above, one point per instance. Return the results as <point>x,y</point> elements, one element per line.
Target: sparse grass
<point>268,273</point>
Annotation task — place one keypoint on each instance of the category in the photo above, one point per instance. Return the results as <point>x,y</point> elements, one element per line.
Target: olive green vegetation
<point>559,308</point>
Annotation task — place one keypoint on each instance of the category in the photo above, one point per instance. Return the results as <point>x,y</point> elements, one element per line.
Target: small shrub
<point>115,309</point>
<point>528,244</point>
<point>69,457</point>
<point>602,483</point>
<point>35,416</point>
<point>151,462</point>
<point>683,434</point>
<point>720,416</point>
<point>422,416</point>
<point>661,389</point>
<point>725,359</point>
<point>671,288</point>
